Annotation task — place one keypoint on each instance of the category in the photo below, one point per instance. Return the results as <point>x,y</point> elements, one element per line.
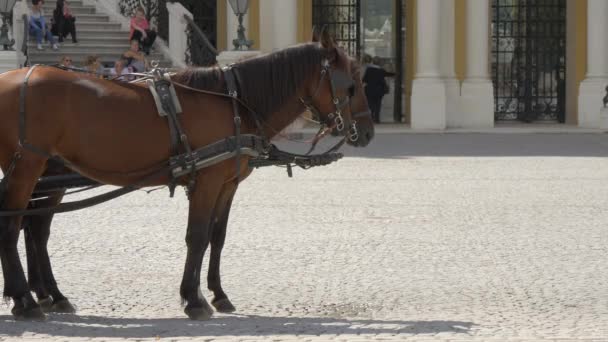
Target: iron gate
<point>341,17</point>
<point>529,59</point>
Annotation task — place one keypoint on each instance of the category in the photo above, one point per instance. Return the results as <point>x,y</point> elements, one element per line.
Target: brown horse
<point>110,132</point>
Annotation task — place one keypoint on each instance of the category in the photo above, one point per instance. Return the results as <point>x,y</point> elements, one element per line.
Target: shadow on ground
<point>232,325</point>
<point>396,146</point>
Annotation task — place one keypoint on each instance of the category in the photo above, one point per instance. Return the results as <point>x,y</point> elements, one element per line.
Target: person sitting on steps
<point>119,71</point>
<point>38,26</point>
<point>140,30</point>
<point>66,62</point>
<point>65,22</point>
<point>135,58</point>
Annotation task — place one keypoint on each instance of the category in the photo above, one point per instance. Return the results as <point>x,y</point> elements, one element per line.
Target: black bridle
<point>334,120</point>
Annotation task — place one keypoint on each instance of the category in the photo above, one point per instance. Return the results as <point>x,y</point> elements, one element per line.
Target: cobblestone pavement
<point>432,237</point>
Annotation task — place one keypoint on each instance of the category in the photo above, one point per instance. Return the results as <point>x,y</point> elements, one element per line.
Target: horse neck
<point>288,113</point>
<point>292,107</point>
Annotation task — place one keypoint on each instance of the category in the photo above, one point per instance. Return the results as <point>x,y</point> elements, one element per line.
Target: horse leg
<point>218,236</point>
<point>37,233</point>
<point>202,202</point>
<point>20,187</point>
<point>34,277</point>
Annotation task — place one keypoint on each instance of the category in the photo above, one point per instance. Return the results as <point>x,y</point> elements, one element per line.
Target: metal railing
<point>200,51</point>
<point>26,37</point>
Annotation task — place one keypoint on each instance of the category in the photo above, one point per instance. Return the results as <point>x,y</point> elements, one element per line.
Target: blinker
<point>341,80</point>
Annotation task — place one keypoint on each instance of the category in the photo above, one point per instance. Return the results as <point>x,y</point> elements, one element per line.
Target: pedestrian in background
<point>374,82</point>
<point>66,62</point>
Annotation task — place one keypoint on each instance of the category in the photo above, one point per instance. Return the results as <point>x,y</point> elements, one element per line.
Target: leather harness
<point>187,162</point>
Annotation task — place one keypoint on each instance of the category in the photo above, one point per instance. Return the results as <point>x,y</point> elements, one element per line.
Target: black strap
<point>230,77</point>
<point>219,151</point>
<point>23,119</point>
<point>7,175</point>
<point>162,89</point>
<point>178,136</point>
<point>89,202</point>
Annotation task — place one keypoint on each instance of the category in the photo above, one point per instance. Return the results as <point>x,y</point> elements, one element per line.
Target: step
<point>102,34</point>
<point>53,3</point>
<point>76,10</point>
<point>49,56</point>
<point>68,47</point>
<point>86,18</point>
<point>106,26</point>
<point>91,40</point>
<point>97,26</point>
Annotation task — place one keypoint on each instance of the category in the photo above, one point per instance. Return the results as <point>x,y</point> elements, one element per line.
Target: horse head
<point>337,96</point>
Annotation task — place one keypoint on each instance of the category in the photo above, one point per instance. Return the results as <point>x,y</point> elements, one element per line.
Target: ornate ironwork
<point>205,17</point>
<point>529,59</point>
<point>341,17</point>
<point>151,7</point>
<point>200,51</point>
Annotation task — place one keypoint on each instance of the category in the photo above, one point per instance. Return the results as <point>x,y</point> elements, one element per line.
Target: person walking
<point>375,85</point>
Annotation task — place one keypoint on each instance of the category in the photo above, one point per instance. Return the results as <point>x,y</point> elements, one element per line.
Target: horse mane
<point>265,82</point>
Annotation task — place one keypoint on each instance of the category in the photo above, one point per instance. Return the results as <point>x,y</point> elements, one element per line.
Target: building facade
<point>458,63</point>
<point>454,63</point>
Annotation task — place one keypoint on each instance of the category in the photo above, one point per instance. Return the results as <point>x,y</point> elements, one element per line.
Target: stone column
<point>448,71</point>
<point>428,90</point>
<point>19,11</point>
<point>477,93</point>
<point>178,40</point>
<point>278,24</point>
<point>592,89</point>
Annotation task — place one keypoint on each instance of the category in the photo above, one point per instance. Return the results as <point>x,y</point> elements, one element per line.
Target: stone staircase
<point>96,34</point>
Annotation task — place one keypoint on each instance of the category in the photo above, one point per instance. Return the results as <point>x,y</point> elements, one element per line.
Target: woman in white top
<point>119,71</point>
<point>38,26</point>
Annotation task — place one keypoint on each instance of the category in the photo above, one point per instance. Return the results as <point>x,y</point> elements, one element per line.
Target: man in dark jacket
<point>375,87</point>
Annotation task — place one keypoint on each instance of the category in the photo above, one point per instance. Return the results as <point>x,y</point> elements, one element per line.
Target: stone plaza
<point>419,237</point>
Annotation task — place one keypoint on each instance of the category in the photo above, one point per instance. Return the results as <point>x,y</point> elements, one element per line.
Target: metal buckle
<point>339,122</point>
<point>353,134</point>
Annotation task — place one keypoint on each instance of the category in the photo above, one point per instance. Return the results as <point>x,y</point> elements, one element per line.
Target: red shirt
<point>142,23</point>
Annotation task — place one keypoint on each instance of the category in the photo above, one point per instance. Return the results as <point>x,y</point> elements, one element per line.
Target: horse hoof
<point>199,313</point>
<point>45,304</point>
<point>34,314</point>
<point>223,305</point>
<point>63,306</point>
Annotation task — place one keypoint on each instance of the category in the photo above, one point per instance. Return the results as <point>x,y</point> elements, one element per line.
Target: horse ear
<point>326,39</point>
<point>315,35</point>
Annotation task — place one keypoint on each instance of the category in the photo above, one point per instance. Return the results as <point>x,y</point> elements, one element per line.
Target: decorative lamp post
<point>239,7</point>
<point>6,8</point>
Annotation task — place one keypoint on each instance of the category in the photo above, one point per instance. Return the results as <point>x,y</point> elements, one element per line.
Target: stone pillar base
<point>9,60</point>
<point>590,102</point>
<point>604,119</point>
<point>429,104</point>
<point>452,93</point>
<point>477,105</point>
<point>229,57</point>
